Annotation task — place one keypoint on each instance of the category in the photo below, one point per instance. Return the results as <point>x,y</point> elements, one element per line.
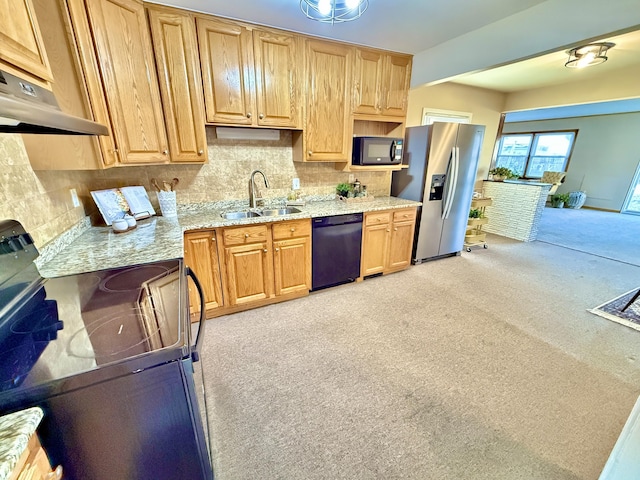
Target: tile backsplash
<point>42,203</point>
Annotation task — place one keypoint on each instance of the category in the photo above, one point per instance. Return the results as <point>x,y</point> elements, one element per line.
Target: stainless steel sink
<point>279,211</point>
<point>271,212</point>
<point>239,215</point>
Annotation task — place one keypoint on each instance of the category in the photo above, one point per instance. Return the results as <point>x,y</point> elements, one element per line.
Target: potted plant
<point>559,199</point>
<point>343,189</point>
<point>475,213</point>
<point>502,173</point>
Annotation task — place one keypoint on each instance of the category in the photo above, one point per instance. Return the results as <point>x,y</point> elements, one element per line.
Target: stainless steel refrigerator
<point>442,162</point>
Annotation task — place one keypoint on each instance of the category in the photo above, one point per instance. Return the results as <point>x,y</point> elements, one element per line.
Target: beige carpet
<point>483,366</point>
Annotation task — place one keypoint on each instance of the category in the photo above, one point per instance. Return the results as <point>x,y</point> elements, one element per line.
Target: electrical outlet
<point>295,184</point>
<point>352,178</point>
<point>74,198</point>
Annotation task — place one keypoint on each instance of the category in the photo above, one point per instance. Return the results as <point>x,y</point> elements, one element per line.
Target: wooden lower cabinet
<point>201,255</point>
<point>249,266</point>
<point>387,241</point>
<point>33,464</point>
<point>292,257</point>
<point>247,270</point>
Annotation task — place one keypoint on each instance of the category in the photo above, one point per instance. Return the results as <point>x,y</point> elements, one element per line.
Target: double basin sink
<point>270,212</point>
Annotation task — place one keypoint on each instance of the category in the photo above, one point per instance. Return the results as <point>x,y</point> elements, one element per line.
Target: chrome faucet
<point>254,200</point>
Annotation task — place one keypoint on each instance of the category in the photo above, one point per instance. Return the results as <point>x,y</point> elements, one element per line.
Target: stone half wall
<point>516,209</point>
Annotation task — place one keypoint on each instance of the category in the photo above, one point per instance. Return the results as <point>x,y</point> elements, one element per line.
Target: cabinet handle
<point>165,152</point>
<point>395,229</point>
<point>310,152</point>
<point>277,250</point>
<point>213,239</point>
<point>388,230</point>
<point>246,235</point>
<point>261,116</point>
<point>405,215</point>
<point>249,115</point>
<point>293,229</point>
<point>265,250</point>
<point>200,152</point>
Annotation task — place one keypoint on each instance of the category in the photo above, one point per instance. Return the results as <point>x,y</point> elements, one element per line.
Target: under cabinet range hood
<point>29,108</point>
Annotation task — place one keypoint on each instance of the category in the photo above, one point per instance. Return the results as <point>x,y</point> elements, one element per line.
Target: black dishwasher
<point>336,243</point>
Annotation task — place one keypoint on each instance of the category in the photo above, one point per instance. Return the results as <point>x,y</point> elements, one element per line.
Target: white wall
<point>485,105</point>
<point>618,84</point>
<point>605,155</point>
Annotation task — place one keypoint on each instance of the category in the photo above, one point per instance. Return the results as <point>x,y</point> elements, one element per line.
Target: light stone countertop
<point>15,431</point>
<point>161,238</point>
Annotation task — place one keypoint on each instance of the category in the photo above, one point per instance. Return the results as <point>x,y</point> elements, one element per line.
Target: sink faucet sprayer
<point>253,201</point>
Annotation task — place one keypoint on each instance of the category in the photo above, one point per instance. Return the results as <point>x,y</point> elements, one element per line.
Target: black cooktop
<point>53,329</point>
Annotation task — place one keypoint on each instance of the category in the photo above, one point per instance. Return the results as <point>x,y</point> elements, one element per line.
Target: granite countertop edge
<point>161,238</point>
<point>15,431</point>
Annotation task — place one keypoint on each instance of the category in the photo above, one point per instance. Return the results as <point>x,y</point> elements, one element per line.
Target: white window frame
<point>430,115</point>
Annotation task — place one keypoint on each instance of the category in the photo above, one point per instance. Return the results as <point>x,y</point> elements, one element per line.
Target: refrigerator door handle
<point>452,180</point>
<point>454,187</point>
<point>448,173</point>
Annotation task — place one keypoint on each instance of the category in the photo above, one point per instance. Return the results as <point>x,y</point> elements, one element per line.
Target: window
<point>430,115</point>
<point>531,154</point>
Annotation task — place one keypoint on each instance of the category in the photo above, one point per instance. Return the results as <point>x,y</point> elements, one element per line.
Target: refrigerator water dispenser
<point>437,187</point>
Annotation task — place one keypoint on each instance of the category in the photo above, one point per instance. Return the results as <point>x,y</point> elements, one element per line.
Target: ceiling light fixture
<point>333,11</point>
<point>588,55</point>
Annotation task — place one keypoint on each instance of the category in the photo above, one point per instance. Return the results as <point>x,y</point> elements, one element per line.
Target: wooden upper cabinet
<point>250,76</point>
<point>21,44</point>
<point>381,83</point>
<point>368,82</point>
<point>327,133</point>
<point>63,152</point>
<point>277,74</point>
<point>227,71</point>
<point>176,51</point>
<point>396,83</point>
<point>126,63</point>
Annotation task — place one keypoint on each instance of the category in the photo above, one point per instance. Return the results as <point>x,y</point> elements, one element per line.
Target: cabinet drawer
<point>245,234</point>
<point>297,228</point>
<point>377,218</point>
<point>404,215</point>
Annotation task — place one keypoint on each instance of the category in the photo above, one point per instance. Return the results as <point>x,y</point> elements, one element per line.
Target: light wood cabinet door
<point>277,78</point>
<point>127,68</point>
<point>249,273</point>
<point>328,128</point>
<point>176,52</point>
<point>226,58</point>
<point>89,64</point>
<point>292,265</point>
<point>63,152</point>
<point>396,83</point>
<point>375,247</point>
<point>201,255</point>
<point>368,81</point>
<point>400,245</point>
<point>21,44</point>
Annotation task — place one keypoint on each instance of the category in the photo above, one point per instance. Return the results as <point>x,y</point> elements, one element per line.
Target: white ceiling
<point>549,69</point>
<point>503,45</point>
<point>408,26</point>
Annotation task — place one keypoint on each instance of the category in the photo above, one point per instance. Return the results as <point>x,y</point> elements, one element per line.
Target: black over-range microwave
<point>377,151</point>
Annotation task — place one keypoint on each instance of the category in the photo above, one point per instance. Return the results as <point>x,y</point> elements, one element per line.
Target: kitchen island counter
<point>161,238</point>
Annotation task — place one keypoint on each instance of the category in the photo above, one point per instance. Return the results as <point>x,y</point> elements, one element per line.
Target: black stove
<point>64,340</point>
